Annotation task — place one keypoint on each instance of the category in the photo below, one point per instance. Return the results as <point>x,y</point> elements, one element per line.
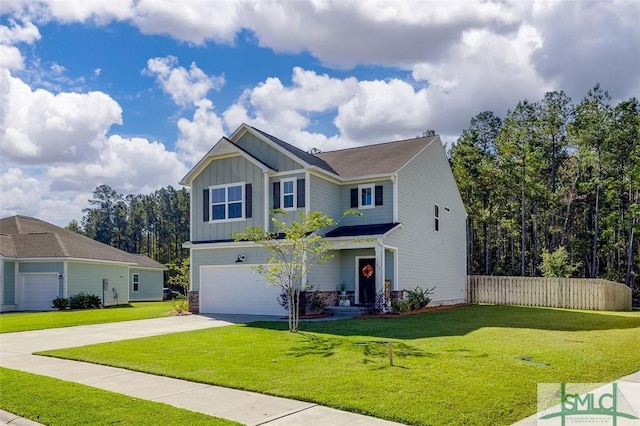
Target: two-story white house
<point>413,235</point>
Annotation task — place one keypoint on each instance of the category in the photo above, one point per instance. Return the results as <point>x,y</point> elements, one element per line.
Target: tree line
<point>553,177</point>
<point>154,225</point>
<point>552,186</point>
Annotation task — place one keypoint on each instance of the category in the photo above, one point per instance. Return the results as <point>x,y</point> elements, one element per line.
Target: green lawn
<point>24,321</point>
<point>472,365</point>
<point>56,402</point>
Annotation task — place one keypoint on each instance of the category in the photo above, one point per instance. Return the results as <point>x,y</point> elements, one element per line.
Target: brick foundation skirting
<point>194,302</point>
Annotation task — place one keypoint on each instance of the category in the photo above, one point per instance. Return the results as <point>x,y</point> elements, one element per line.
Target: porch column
<point>380,262</point>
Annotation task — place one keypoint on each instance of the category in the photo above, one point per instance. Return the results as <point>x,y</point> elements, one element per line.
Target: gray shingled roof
<point>303,155</point>
<point>27,237</point>
<point>384,158</point>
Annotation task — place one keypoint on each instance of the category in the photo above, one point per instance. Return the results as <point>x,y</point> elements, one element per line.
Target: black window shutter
<point>300,192</point>
<point>205,205</point>
<point>354,197</point>
<point>248,200</point>
<point>276,195</point>
<point>378,195</point>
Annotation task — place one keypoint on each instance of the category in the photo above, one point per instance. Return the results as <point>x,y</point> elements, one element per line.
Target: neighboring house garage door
<point>237,290</point>
<point>38,291</point>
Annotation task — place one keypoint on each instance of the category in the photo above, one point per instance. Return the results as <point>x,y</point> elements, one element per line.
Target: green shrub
<point>418,298</point>
<point>400,305</point>
<point>60,303</point>
<point>84,301</point>
<point>181,304</point>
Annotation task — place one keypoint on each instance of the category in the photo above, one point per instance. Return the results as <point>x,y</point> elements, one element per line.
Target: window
<point>288,195</point>
<point>135,279</point>
<point>366,196</point>
<point>436,215</point>
<point>227,202</point>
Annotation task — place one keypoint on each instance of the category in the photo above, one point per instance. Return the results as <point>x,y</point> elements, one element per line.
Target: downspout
<point>394,181</point>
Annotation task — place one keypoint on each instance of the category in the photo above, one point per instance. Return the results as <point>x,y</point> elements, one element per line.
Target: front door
<point>367,280</point>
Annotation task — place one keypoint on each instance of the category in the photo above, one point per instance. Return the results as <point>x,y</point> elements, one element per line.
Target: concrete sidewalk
<point>245,407</point>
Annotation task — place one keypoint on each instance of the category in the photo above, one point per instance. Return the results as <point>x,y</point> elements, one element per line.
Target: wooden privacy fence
<point>572,293</point>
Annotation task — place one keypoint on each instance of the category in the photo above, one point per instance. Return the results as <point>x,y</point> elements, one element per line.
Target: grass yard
<point>56,402</point>
<point>25,321</point>
<point>472,365</point>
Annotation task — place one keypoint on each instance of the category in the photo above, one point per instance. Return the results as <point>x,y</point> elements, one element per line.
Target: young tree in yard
<point>179,274</point>
<point>295,247</point>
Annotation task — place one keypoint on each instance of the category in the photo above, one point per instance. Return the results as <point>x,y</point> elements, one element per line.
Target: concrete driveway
<point>245,407</point>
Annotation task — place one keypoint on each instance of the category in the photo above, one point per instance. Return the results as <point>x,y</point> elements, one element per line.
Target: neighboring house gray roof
<point>383,158</point>
<point>27,237</point>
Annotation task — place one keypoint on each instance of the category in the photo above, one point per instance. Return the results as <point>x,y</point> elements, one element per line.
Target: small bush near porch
<point>472,365</point>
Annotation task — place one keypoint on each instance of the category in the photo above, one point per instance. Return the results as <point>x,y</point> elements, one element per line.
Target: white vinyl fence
<point>572,293</point>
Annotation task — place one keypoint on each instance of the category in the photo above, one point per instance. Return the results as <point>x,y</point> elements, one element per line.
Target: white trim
<point>135,274</point>
<point>230,244</point>
<point>211,156</point>
<point>69,259</point>
<point>395,186</point>
<point>192,219</point>
<point>357,274</point>
<point>307,192</point>
<point>436,218</point>
<point>294,193</point>
<point>437,138</point>
<point>65,277</point>
<point>226,203</point>
<point>265,196</point>
<point>371,187</point>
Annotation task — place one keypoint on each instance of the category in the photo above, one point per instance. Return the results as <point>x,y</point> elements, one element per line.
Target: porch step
<point>347,311</point>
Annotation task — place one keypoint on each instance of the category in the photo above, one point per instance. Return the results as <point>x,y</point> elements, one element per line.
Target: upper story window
<point>436,215</point>
<point>367,196</point>
<point>289,193</point>
<point>288,201</point>
<point>227,202</point>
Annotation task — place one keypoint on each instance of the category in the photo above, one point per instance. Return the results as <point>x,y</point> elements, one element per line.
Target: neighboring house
<point>413,235</point>
<point>40,261</point>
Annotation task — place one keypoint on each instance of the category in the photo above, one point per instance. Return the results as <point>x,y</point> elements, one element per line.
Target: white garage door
<point>38,291</point>
<point>237,290</point>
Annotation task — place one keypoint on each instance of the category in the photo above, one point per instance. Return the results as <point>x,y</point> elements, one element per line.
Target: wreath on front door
<point>367,271</point>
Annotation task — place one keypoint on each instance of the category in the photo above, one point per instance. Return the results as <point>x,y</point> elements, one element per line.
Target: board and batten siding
<point>427,257</point>
<point>267,154</point>
<point>150,284</point>
<point>373,215</point>
<point>223,256</point>
<point>87,278</point>
<point>220,172</point>
<point>326,197</point>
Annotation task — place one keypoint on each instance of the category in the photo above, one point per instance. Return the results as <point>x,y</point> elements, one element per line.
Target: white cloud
<point>184,86</point>
<point>18,192</point>
<point>191,20</point>
<point>197,136</point>
<point>10,56</point>
<point>134,165</point>
<point>42,127</point>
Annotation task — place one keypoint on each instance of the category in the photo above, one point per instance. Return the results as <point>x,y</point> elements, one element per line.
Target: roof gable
<point>224,147</point>
<point>27,237</point>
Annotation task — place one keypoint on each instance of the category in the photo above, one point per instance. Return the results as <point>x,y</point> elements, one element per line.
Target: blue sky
<point>132,93</point>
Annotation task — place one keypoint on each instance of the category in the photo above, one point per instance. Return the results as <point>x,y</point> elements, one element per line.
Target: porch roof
<point>361,230</point>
